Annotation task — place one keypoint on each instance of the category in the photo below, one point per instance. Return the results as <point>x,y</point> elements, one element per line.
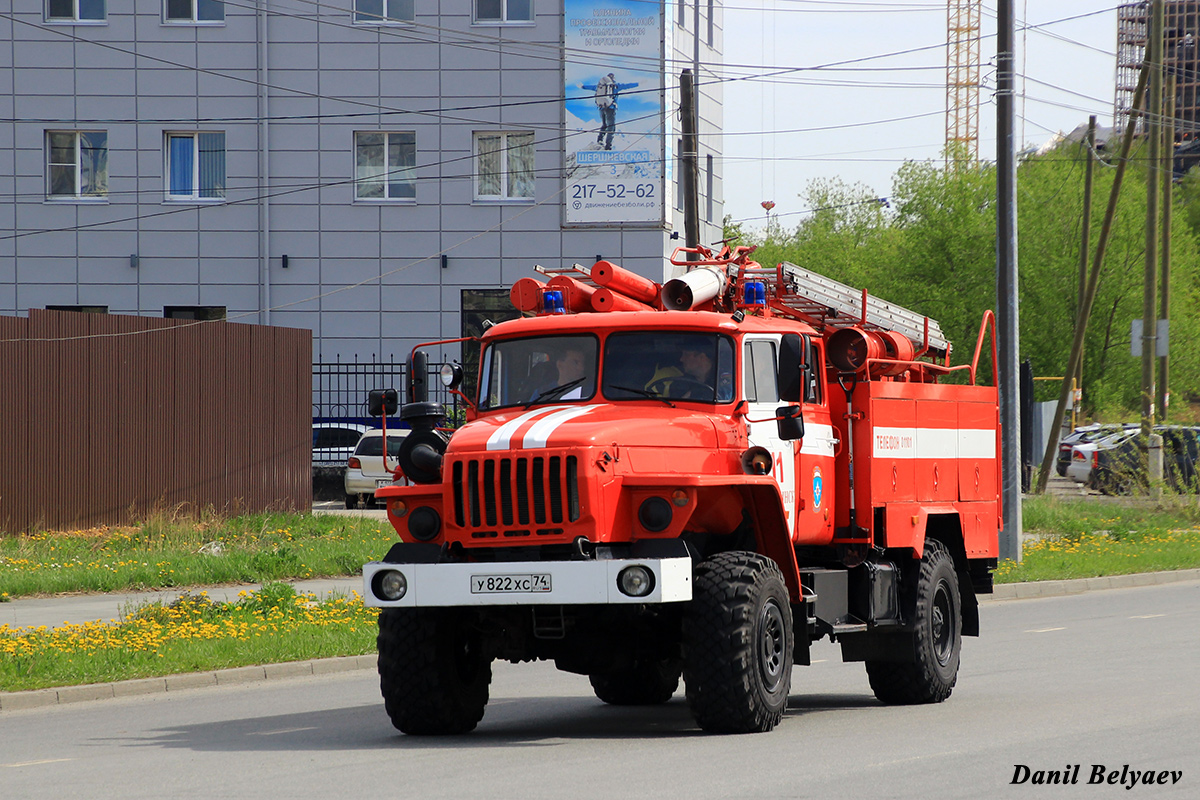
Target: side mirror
<point>382,402</point>
<point>790,423</point>
<point>451,375</point>
<point>791,368</point>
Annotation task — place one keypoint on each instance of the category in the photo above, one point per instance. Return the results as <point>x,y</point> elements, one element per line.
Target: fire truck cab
<point>693,480</point>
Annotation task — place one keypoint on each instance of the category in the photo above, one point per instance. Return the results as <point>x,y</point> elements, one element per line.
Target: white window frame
<point>503,18</point>
<point>387,169</point>
<point>388,18</point>
<point>194,19</point>
<point>196,195</point>
<point>75,19</point>
<point>78,196</point>
<point>504,196</point>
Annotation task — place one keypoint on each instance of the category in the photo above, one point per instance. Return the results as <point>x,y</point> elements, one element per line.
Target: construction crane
<point>963,33</point>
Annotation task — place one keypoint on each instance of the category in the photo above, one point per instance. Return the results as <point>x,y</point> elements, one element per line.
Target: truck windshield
<point>669,365</point>
<point>546,369</point>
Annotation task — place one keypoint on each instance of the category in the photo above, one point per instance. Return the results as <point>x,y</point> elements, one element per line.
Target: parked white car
<point>1080,468</point>
<point>365,470</point>
<point>333,442</point>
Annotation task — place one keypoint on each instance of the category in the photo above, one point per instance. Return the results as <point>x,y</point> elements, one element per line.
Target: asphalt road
<point>1106,678</point>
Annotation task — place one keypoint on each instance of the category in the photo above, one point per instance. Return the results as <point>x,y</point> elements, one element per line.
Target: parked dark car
<point>1122,469</point>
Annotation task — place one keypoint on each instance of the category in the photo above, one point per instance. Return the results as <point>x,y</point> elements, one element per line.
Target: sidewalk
<point>55,611</point>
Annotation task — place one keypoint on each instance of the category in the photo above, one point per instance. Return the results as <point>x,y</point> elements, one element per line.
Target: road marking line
<point>1148,616</point>
<point>36,763</point>
<point>1045,630</point>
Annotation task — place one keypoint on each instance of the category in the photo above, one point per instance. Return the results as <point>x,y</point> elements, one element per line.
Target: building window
<point>80,309</point>
<point>711,23</point>
<point>384,165</point>
<point>503,166</point>
<point>681,16</point>
<point>383,12</point>
<point>194,11</point>
<point>195,166</point>
<point>498,11</point>
<point>76,164</point>
<point>206,313</point>
<point>76,11</point>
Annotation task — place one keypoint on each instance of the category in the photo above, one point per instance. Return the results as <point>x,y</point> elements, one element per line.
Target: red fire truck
<point>692,480</point>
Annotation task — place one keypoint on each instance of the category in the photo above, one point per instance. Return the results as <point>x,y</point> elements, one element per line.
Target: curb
<point>41,698</point>
<point>1033,589</point>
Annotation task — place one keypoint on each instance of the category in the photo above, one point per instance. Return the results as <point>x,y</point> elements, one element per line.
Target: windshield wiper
<point>555,392</point>
<point>645,393</point>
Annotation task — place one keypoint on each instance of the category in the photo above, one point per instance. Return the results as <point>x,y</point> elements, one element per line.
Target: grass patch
<point>165,551</point>
<point>193,634</point>
<point>1087,539</point>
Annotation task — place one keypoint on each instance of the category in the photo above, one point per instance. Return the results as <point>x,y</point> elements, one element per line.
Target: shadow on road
<point>521,722</point>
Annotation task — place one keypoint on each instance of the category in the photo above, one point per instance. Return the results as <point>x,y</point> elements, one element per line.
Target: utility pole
<point>1094,277</point>
<point>1007,328</point>
<point>1085,249</point>
<point>1164,387</point>
<point>689,161</point>
<point>1154,53</point>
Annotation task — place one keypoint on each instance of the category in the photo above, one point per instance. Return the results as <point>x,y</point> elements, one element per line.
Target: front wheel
<point>433,673</point>
<point>936,640</point>
<point>738,641</point>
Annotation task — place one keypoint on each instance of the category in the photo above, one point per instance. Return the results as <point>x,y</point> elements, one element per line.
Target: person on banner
<point>607,90</point>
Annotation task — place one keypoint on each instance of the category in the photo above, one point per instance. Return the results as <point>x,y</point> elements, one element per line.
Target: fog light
<point>399,508</point>
<point>635,581</point>
<point>655,514</point>
<point>424,523</point>
<point>390,585</point>
<point>679,497</point>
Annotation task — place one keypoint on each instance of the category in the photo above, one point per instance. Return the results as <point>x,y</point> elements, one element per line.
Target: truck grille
<point>516,492</point>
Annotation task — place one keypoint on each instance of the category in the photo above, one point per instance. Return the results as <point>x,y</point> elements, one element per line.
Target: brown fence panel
<point>106,418</point>
<point>15,502</point>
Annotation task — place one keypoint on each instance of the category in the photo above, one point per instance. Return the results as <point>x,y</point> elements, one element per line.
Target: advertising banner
<point>613,78</point>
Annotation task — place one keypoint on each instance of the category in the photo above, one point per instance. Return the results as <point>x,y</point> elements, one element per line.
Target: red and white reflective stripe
<point>818,440</point>
<point>905,443</point>
<point>537,435</point>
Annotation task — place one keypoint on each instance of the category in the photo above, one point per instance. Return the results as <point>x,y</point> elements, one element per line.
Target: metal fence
<point>340,388</point>
<point>107,418</point>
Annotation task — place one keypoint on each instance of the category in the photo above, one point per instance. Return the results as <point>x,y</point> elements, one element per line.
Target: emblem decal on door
<point>818,485</point>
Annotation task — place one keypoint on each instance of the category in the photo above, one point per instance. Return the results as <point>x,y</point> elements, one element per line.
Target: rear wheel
<point>351,500</point>
<point>738,641</point>
<point>433,673</point>
<point>646,683</point>
<point>936,641</point>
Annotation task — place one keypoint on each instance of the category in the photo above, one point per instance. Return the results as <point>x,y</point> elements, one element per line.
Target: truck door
<point>760,381</point>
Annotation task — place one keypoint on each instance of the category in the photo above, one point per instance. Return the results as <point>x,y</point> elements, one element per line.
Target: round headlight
<point>390,585</point>
<point>424,523</point>
<point>635,581</point>
<point>655,514</point>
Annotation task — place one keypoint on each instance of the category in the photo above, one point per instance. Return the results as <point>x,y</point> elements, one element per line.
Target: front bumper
<point>524,583</point>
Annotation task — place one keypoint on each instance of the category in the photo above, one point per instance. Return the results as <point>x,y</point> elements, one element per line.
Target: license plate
<point>382,482</point>
<point>502,584</point>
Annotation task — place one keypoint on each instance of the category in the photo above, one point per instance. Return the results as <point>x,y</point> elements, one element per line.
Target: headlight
<point>390,585</point>
<point>655,514</point>
<point>635,581</point>
<point>424,523</point>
